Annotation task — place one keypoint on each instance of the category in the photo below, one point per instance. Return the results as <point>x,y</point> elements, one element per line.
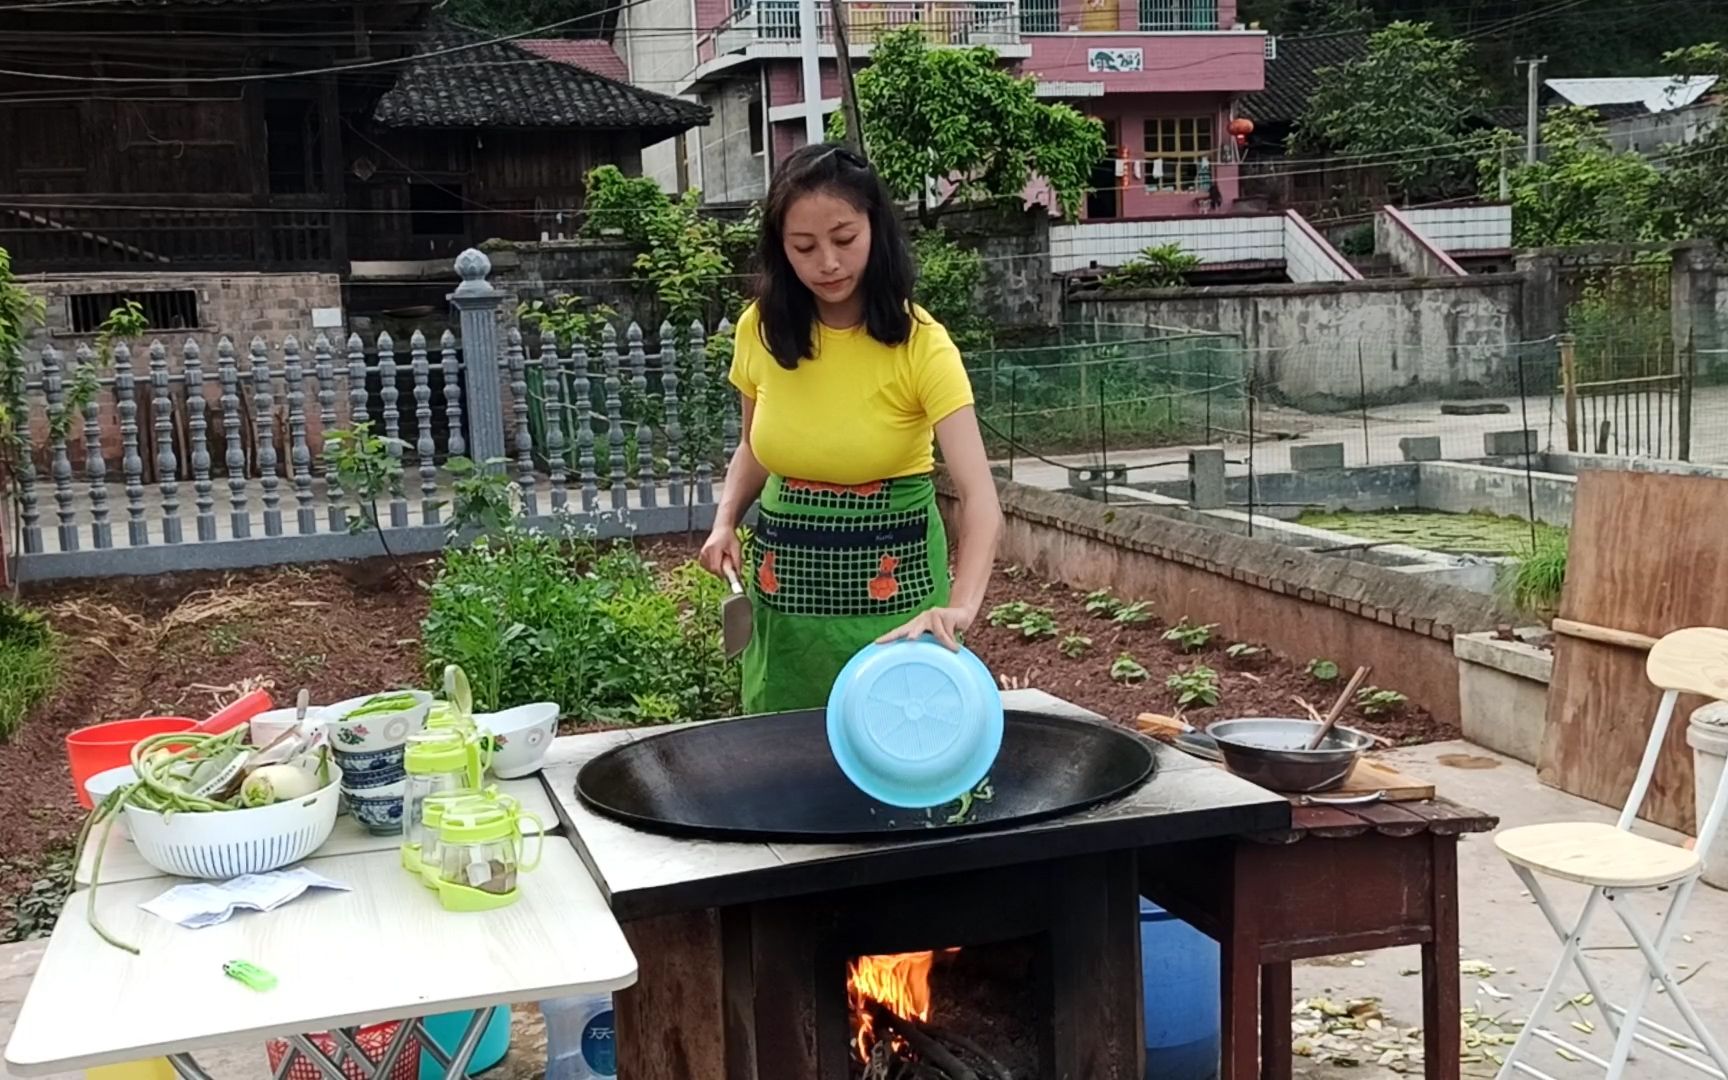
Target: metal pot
<point>1272,752</point>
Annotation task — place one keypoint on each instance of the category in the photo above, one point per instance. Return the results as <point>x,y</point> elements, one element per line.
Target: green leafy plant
<point>608,635</point>
<point>620,205</point>
<point>20,313</point>
<point>1074,646</point>
<point>1358,242</point>
<point>1126,669</point>
<point>1134,614</point>
<point>1242,650</point>
<point>1197,683</point>
<point>1031,621</point>
<point>957,113</point>
<point>1102,604</point>
<point>1581,191</point>
<point>1163,266</point>
<point>949,277</point>
<point>483,499</point>
<point>35,911</point>
<point>567,317</point>
<point>1532,583</point>
<point>1374,701</point>
<point>1413,88</point>
<point>367,471</point>
<point>1191,637</point>
<point>28,664</point>
<point>1324,670</point>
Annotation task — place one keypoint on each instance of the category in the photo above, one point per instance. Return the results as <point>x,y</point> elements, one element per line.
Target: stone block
<point>1206,478</point>
<point>1316,456</point>
<point>1083,479</point>
<point>1420,447</point>
<point>1508,443</point>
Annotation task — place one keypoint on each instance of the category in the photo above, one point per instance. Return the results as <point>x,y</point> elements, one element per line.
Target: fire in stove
<point>894,1036</point>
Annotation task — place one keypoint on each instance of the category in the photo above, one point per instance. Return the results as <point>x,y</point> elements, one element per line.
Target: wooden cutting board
<point>1648,557</point>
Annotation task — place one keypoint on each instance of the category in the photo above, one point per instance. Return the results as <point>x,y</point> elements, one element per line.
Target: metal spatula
<point>734,617</point>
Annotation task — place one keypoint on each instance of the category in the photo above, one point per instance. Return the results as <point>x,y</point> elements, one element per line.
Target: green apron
<point>833,568</point>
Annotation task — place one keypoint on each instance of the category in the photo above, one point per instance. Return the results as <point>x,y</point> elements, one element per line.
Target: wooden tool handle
<point>1604,635</point>
<point>1338,708</point>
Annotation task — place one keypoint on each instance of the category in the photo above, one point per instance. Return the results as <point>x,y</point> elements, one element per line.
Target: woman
<point>845,382</point>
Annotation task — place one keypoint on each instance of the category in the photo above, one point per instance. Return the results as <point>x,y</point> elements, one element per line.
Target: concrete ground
<point>1500,927</point>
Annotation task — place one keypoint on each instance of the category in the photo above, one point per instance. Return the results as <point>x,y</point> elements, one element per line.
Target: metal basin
<point>1271,752</point>
<point>773,778</point>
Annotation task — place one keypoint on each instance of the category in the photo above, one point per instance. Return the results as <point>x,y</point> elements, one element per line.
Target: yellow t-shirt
<point>860,410</point>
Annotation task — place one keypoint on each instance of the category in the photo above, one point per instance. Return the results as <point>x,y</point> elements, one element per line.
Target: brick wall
<point>1301,605</point>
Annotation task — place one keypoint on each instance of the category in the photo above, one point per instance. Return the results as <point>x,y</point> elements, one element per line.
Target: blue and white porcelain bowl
<point>371,768</point>
<point>379,809</point>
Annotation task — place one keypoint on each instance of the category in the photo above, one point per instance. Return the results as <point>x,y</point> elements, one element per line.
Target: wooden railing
<point>135,233</point>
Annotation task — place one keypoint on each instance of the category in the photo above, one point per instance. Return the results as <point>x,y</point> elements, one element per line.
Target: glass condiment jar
<point>444,716</point>
<point>480,851</point>
<point>427,864</point>
<point>435,761</point>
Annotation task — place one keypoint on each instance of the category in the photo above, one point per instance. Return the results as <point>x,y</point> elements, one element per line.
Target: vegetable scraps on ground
<point>194,773</point>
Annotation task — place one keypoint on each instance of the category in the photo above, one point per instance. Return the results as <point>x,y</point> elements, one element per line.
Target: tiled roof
<point>589,54</point>
<point>1290,79</point>
<point>499,85</point>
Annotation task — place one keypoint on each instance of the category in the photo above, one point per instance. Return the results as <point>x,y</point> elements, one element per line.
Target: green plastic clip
<point>250,974</point>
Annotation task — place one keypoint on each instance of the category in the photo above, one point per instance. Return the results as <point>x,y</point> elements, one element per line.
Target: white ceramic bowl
<point>267,727</point>
<point>521,737</point>
<point>108,781</point>
<point>377,731</point>
<point>228,843</point>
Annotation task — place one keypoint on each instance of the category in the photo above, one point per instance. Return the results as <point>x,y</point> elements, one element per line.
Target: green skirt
<point>833,568</point>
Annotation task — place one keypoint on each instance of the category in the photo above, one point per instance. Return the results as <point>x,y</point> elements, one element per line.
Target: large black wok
<point>773,778</point>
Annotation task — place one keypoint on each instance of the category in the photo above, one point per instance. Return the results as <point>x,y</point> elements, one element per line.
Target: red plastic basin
<point>100,747</point>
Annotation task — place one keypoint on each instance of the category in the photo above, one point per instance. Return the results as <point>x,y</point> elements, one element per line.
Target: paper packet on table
<point>207,903</point>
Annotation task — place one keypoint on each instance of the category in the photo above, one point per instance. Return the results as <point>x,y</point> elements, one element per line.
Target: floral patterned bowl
<point>374,731</point>
<point>520,737</point>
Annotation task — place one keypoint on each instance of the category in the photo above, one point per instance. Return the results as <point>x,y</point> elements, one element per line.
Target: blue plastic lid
<point>913,724</point>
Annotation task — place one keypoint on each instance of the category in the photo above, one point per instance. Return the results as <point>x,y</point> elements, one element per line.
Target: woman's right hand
<point>721,550</point>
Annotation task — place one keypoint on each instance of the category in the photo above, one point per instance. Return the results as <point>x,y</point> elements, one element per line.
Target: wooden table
<point>1340,879</point>
<point>384,951</point>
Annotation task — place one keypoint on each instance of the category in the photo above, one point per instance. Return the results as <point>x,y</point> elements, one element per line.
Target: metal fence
<point>223,462</point>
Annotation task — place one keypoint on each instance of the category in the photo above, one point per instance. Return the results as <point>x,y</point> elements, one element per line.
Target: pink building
<point>1163,76</point>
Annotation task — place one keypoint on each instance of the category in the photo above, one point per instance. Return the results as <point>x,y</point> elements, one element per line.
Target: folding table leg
<point>301,1045</point>
<point>456,1065</point>
<point>187,1068</point>
<point>1572,942</point>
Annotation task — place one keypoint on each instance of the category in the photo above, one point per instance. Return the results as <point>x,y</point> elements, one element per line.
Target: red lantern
<point>1241,141</point>
<point>1241,127</point>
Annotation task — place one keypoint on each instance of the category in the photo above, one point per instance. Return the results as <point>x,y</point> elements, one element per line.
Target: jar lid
<point>457,690</point>
<point>444,716</point>
<point>476,823</point>
<point>913,724</point>
<point>432,809</point>
<point>436,752</point>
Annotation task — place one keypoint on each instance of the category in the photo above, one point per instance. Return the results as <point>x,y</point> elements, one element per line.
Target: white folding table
<point>385,951</point>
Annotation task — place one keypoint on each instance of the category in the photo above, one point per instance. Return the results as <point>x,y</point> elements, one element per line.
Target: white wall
<point>1307,255</point>
<point>1215,239</point>
<point>659,47</point>
<point>1464,228</point>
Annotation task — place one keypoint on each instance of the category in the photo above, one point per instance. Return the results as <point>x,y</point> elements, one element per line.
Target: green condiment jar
<point>435,761</point>
<point>480,855</point>
<point>427,862</point>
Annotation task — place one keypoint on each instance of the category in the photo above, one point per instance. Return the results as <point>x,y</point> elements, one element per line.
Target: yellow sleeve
<point>747,348</point>
<point>938,372</point>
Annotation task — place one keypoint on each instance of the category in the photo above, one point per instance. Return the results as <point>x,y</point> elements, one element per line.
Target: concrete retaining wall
<point>1256,590</point>
<point>1503,693</point>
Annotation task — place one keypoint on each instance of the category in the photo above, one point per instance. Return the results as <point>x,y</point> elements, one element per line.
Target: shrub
<point>534,617</point>
<point>1533,582</point>
<point>1164,266</point>
<point>1192,638</point>
<point>1194,684</point>
<point>27,664</point>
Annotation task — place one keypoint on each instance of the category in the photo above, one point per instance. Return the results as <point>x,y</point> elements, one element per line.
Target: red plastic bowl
<point>100,747</point>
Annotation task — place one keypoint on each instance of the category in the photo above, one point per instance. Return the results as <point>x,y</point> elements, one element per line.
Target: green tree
<point>1406,105</point>
<point>1696,183</point>
<point>948,280</point>
<point>957,114</point>
<point>1581,191</point>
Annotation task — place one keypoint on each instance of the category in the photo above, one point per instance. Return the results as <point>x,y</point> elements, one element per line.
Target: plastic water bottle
<point>581,1042</point>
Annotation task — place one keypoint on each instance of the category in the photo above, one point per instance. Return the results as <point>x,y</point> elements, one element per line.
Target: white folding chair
<point>1614,863</point>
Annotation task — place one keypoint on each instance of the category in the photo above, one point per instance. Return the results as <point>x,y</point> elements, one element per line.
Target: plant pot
<point>1708,737</point>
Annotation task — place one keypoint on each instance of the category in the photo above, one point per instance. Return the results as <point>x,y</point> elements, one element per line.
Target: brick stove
<point>745,944</point>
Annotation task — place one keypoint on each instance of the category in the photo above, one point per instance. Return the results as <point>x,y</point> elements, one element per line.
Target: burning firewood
<point>929,1049</point>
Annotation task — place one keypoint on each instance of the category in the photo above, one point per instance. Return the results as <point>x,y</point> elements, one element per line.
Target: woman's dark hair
<point>785,307</point>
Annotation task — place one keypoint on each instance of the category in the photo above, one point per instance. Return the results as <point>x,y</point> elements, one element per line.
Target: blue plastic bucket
<point>1179,973</point>
<point>446,1030</point>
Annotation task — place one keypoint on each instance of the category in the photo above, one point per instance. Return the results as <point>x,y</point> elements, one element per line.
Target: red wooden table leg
<point>1275,1061</point>
<point>1440,994</point>
<point>1239,957</point>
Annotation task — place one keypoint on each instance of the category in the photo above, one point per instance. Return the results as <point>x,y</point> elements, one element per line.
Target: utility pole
<point>807,41</point>
<point>848,89</point>
<point>1532,114</point>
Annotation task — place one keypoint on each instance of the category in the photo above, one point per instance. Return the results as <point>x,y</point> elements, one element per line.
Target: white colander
<point>225,844</point>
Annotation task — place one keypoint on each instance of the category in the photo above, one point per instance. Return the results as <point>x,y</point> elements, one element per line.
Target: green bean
<point>385,703</point>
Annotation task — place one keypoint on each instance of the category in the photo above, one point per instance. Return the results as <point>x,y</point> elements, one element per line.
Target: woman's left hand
<point>946,624</point>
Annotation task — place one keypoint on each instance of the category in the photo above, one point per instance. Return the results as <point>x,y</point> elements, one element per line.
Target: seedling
<point>1132,614</point>
<point>1074,646</point>
<point>1198,683</point>
<point>1192,638</point>
<point>1324,670</point>
<point>1102,604</point>
<point>1374,701</point>
<point>1242,651</point>
<point>1126,669</point>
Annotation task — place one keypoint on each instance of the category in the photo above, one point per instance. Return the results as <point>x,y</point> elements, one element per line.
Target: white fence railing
<point>942,22</point>
<point>1464,228</point>
<point>1217,239</point>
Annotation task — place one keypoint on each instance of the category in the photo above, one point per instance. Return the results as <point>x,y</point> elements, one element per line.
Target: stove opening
<point>945,1014</point>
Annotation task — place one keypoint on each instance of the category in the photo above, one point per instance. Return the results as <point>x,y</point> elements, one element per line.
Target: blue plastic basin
<point>1179,973</point>
<point>446,1030</point>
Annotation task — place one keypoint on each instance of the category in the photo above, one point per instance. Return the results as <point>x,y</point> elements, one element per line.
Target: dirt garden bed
<point>184,645</point>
